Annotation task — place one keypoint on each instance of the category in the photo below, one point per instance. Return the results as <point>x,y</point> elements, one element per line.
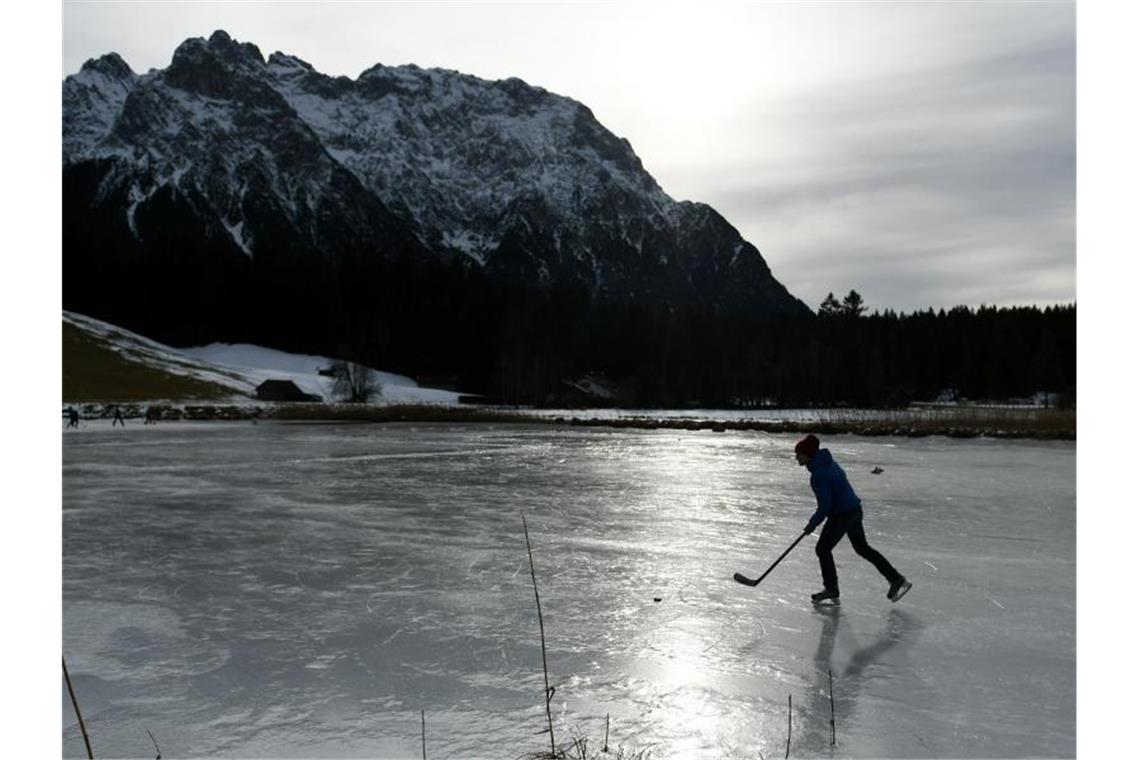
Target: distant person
<point>72,417</point>
<point>118,418</point>
<point>838,504</point>
<point>151,416</point>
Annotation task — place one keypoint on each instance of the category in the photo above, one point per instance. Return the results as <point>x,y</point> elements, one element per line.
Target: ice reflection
<point>849,670</point>
<point>278,591</point>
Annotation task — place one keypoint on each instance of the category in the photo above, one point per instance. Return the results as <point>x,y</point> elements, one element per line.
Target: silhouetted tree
<point>830,307</point>
<point>853,305</point>
<point>354,382</point>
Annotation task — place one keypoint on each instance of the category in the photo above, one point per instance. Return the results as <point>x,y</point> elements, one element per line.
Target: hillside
<point>95,371</point>
<point>105,363</point>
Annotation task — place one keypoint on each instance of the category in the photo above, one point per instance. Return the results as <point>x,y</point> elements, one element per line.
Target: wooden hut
<point>283,390</point>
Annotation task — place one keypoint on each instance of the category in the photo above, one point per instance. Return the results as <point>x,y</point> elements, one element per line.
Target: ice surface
<point>279,590</point>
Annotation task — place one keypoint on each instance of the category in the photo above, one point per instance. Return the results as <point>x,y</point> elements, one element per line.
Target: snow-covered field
<point>278,590</point>
<point>243,367</point>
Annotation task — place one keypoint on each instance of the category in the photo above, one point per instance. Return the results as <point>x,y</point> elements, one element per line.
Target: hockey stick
<point>750,582</point>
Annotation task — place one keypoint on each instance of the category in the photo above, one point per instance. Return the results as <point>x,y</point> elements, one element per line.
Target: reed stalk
<point>549,692</point>
<point>75,704</point>
<point>831,693</point>
<point>157,749</point>
<point>788,751</point>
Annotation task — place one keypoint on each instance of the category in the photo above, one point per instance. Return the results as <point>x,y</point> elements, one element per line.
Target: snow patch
<point>243,367</point>
<point>736,253</point>
<point>237,232</point>
<point>470,243</point>
<point>136,196</point>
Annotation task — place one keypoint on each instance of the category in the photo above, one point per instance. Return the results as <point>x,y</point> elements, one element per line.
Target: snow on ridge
<point>450,153</point>
<point>498,137</point>
<point>93,100</point>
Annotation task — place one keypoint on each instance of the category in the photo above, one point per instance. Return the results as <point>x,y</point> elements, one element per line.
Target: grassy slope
<point>93,372</point>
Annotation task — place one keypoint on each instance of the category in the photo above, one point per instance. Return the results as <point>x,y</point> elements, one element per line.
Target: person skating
<point>837,503</point>
<point>118,418</point>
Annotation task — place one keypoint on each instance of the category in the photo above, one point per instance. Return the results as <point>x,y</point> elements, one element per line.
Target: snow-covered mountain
<point>235,168</point>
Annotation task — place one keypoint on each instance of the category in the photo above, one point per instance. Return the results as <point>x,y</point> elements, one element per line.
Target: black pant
<point>851,524</point>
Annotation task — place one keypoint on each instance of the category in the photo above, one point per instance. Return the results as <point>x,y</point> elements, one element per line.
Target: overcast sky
<point>922,153</point>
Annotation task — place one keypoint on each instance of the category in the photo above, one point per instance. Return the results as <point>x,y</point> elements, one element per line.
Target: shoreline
<point>952,422</point>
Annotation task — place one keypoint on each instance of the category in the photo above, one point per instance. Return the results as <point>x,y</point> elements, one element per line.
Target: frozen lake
<point>280,590</point>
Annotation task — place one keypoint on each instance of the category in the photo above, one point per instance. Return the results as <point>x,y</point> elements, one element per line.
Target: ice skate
<point>898,588</point>
<point>827,596</point>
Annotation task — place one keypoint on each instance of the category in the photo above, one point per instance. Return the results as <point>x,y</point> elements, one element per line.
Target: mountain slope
<point>94,371</point>
<point>106,363</point>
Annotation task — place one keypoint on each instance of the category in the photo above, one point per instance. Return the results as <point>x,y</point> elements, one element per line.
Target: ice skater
<point>838,504</point>
<point>118,418</point>
<point>72,417</point>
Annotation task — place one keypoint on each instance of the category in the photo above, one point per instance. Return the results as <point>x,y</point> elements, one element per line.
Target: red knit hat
<point>808,446</point>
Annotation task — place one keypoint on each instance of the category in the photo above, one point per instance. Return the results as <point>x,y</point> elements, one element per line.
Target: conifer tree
<point>853,305</point>
<point>830,307</point>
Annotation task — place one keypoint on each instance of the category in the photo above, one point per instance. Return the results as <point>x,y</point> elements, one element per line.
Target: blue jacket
<point>832,491</point>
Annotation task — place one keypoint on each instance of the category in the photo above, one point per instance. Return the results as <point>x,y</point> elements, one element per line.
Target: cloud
<point>952,182</point>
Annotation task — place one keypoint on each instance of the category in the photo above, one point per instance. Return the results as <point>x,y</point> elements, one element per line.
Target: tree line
<point>840,356</point>
<point>507,341</point>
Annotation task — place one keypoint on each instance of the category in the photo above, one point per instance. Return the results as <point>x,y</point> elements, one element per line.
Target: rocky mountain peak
<point>285,61</point>
<point>214,67</point>
<point>110,65</point>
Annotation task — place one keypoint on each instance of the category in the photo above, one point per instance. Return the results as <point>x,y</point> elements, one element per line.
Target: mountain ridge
<point>279,205</point>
